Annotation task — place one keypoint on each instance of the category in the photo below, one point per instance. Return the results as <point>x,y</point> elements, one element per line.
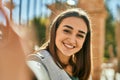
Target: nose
<point>73,39</point>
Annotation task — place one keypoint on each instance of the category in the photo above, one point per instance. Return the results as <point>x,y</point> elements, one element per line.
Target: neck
<point>64,59</point>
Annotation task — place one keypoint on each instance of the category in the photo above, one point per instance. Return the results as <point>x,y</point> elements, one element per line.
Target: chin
<point>68,54</point>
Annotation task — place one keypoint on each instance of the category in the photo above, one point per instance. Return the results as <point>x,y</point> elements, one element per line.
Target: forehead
<point>75,22</point>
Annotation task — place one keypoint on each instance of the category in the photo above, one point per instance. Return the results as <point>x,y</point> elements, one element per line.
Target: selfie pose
<point>67,53</point>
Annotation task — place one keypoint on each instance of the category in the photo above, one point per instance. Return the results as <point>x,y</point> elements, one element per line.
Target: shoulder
<point>35,64</point>
<point>38,56</point>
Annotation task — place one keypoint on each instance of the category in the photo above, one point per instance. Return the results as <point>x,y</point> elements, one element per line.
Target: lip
<point>68,46</point>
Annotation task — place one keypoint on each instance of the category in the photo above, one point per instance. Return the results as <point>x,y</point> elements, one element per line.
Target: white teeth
<point>69,46</point>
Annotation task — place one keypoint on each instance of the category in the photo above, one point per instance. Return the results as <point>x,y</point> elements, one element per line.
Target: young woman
<point>67,54</point>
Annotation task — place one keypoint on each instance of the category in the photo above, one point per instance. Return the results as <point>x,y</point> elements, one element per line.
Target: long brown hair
<point>82,66</point>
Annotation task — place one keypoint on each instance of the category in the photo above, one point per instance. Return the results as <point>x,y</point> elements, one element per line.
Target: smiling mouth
<point>68,46</point>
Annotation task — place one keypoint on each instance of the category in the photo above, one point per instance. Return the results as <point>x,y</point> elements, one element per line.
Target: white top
<point>44,67</point>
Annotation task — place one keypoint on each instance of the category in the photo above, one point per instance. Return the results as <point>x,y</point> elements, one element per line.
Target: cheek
<point>59,36</point>
<point>57,39</point>
<point>80,43</point>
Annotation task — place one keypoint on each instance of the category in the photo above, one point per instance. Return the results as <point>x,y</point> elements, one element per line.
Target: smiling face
<point>70,36</point>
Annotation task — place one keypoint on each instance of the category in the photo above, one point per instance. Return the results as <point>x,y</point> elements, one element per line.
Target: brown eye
<point>80,36</point>
<point>67,31</point>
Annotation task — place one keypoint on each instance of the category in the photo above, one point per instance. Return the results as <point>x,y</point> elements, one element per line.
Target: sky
<point>111,4</point>
<point>31,15</point>
<point>112,7</point>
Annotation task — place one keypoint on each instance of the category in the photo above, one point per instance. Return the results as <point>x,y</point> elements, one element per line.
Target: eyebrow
<point>68,27</point>
<point>80,31</point>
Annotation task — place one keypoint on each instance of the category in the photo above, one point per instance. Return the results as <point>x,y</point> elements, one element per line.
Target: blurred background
<point>24,27</point>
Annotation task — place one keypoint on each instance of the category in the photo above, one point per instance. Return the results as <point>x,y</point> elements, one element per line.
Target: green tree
<point>110,34</point>
<point>40,29</point>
